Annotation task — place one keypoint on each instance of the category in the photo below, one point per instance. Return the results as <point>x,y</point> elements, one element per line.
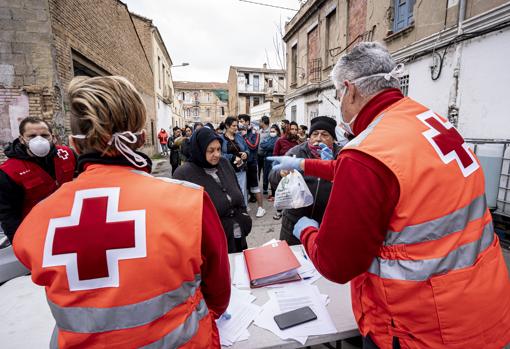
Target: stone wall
<point>26,66</point>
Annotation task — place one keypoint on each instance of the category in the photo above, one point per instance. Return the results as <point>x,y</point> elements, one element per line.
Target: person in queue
<point>252,140</point>
<point>322,136</point>
<point>235,150</point>
<point>123,265</point>
<point>411,232</point>
<point>34,169</point>
<point>210,170</point>
<point>288,140</point>
<point>267,148</point>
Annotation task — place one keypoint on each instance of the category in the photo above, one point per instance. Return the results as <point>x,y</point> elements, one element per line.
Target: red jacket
<point>163,137</point>
<point>37,183</point>
<point>348,245</point>
<point>283,145</point>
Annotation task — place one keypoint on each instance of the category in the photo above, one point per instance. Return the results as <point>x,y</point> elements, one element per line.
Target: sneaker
<point>260,212</point>
<point>277,216</point>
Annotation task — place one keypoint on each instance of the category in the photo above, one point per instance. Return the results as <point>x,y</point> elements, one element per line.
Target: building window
<point>403,16</point>
<point>208,112</point>
<point>281,100</point>
<point>222,110</point>
<point>256,101</point>
<point>183,96</point>
<point>404,84</point>
<point>255,83</point>
<point>159,72</point>
<point>195,111</point>
<point>82,66</point>
<point>208,96</point>
<point>163,73</point>
<point>293,64</point>
<point>293,112</point>
<point>270,83</point>
<point>247,78</point>
<point>330,36</point>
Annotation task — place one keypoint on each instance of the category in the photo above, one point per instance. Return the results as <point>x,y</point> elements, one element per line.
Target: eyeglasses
<point>340,93</point>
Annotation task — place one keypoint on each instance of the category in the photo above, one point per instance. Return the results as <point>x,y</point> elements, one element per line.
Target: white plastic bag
<point>292,192</point>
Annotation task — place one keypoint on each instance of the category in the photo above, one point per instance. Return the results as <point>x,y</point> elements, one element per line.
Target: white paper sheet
<point>241,278</point>
<point>242,313</point>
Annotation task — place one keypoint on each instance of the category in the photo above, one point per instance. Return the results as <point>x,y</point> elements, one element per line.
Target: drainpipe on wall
<point>453,103</point>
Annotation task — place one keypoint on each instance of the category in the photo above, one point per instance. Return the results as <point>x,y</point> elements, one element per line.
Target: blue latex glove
<point>285,163</point>
<point>304,222</point>
<point>326,152</point>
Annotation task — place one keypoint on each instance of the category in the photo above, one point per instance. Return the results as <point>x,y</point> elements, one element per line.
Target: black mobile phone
<point>295,317</point>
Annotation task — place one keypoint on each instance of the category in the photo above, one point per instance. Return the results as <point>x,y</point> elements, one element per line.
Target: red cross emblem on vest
<point>63,154</point>
<point>94,238</point>
<point>448,143</point>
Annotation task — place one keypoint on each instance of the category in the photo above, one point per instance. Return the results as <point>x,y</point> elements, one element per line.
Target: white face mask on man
<point>39,146</point>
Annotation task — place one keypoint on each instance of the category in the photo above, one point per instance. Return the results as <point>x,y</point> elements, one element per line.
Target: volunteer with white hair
<point>407,221</point>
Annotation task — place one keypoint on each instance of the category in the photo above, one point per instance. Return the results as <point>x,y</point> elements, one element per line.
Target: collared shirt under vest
<point>439,280</point>
<point>120,267</point>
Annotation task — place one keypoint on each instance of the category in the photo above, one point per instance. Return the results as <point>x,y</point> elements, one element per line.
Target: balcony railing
<point>314,70</point>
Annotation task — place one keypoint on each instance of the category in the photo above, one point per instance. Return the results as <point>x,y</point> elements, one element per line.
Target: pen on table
<point>303,251</point>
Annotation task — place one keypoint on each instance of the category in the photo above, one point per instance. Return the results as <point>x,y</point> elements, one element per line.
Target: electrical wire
<point>269,5</point>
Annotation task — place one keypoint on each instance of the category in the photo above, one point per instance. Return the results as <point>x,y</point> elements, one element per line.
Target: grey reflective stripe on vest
<point>94,320</point>
<point>420,270</point>
<point>54,338</point>
<point>184,332</point>
<point>440,227</point>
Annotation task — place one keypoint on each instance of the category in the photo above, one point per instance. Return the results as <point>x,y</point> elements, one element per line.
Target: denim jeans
<point>241,179</point>
<point>265,175</point>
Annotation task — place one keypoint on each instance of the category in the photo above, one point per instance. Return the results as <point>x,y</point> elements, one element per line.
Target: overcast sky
<point>212,35</point>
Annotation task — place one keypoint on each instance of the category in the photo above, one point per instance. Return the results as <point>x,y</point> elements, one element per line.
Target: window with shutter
<point>403,17</point>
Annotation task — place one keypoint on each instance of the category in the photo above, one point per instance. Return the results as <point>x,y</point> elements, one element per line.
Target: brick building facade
<point>44,44</point>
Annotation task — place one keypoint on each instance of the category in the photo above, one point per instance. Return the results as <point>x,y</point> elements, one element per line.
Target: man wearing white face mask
<point>35,169</point>
<point>407,221</point>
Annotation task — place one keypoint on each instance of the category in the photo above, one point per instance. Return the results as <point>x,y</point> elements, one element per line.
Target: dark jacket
<point>229,211</point>
<point>267,146</point>
<point>319,188</point>
<point>11,194</point>
<point>252,140</point>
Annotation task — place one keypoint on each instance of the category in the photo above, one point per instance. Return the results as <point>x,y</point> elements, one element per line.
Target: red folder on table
<point>271,264</point>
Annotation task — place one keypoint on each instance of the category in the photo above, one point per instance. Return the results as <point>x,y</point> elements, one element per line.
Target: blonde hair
<point>102,106</point>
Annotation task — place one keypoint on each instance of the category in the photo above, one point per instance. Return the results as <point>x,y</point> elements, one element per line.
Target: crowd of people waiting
<point>236,152</point>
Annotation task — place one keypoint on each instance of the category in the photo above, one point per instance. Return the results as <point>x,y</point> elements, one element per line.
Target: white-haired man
<point>407,221</point>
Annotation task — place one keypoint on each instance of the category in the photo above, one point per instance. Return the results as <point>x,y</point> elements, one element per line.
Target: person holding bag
<point>321,145</point>
<point>210,170</point>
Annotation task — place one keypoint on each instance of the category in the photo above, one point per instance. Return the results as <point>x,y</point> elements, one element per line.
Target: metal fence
<point>500,158</point>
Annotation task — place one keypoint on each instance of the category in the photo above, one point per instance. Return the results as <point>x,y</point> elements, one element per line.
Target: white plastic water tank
<point>491,158</point>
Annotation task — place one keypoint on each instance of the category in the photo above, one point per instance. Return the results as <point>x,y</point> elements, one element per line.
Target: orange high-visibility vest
<point>439,280</point>
<point>119,253</point>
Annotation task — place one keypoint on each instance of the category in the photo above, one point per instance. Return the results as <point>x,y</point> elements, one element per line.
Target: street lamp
<point>180,65</point>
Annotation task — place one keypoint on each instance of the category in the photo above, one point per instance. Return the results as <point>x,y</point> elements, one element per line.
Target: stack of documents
<point>271,264</point>
<point>306,271</point>
<point>294,296</point>
<point>242,312</point>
